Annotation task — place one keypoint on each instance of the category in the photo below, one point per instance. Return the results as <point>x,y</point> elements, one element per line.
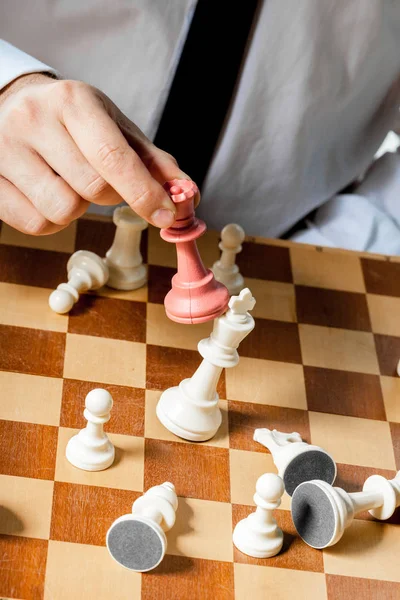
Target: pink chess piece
<point>195,296</point>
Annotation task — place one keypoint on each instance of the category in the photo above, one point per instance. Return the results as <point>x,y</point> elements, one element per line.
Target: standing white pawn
<point>258,535</point>
<point>137,541</point>
<point>124,260</point>
<point>225,270</point>
<point>86,271</point>
<point>90,449</point>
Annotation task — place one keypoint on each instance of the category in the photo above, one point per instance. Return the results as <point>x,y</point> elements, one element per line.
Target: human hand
<point>63,145</point>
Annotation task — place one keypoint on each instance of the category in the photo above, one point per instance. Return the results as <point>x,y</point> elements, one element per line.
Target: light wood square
<point>105,360</point>
<point>163,254</point>
<point>126,473</point>
<point>30,398</point>
<point>334,348</point>
<point>245,469</point>
<point>161,331</point>
<point>154,429</point>
<point>25,506</point>
<point>203,529</point>
<point>335,271</point>
<point>259,583</point>
<point>81,572</point>
<point>62,241</point>
<point>384,312</point>
<point>26,306</point>
<point>391,397</point>
<point>367,549</point>
<point>267,382</point>
<point>353,441</point>
<point>274,300</point>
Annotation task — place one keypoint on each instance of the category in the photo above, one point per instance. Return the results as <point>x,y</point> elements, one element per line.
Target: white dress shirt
<point>318,92</point>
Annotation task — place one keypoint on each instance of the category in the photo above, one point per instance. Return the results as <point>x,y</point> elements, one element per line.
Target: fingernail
<point>163,218</point>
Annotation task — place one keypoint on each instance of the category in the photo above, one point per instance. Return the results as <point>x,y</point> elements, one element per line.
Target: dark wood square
<point>181,577</point>
<point>84,513</point>
<point>32,351</point>
<point>22,567</point>
<point>109,318</point>
<point>344,393</point>
<point>245,417</point>
<point>388,352</point>
<point>395,431</point>
<point>166,367</point>
<point>189,467</point>
<point>28,266</point>
<point>98,236</point>
<point>273,340</point>
<point>28,450</point>
<point>332,308</point>
<point>127,415</point>
<point>381,277</point>
<point>295,554</point>
<point>339,587</point>
<point>159,283</point>
<point>351,478</point>
<point>265,262</point>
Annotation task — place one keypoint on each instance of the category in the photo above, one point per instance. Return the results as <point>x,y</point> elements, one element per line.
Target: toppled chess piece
<point>86,271</point>
<point>321,513</point>
<point>124,260</point>
<point>195,296</point>
<point>191,410</point>
<point>258,535</point>
<point>225,270</point>
<point>137,541</point>
<point>296,460</point>
<point>90,449</point>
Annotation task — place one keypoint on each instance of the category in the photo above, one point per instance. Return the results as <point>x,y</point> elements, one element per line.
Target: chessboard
<point>321,361</point>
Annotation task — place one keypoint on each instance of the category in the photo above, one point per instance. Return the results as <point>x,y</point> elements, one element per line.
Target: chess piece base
<point>257,544</point>
<point>196,302</point>
<point>186,419</point>
<point>81,456</point>
<point>126,278</point>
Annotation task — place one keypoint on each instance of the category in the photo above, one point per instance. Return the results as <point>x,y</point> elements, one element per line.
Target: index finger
<point>106,149</point>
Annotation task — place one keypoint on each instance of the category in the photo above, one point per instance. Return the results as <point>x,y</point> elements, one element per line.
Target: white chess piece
<point>225,270</point>
<point>296,460</point>
<point>258,535</point>
<point>124,260</point>
<point>321,513</point>
<point>398,368</point>
<point>137,541</point>
<point>191,410</point>
<point>90,449</point>
<point>86,271</point>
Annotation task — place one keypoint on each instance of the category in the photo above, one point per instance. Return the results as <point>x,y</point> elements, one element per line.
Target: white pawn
<point>137,541</point>
<point>124,260</point>
<point>258,535</point>
<point>321,513</point>
<point>86,271</point>
<point>225,270</point>
<point>90,449</point>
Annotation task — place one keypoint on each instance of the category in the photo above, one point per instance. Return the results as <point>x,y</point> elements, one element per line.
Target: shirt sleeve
<point>14,63</point>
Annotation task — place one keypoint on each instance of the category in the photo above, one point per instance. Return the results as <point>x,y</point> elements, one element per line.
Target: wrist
<point>24,80</point>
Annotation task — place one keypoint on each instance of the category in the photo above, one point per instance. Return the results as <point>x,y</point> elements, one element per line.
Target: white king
<point>191,410</point>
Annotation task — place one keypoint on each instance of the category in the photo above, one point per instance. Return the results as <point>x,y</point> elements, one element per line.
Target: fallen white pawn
<point>86,271</point>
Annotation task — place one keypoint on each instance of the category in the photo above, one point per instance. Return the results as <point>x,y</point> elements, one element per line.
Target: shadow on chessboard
<point>10,522</point>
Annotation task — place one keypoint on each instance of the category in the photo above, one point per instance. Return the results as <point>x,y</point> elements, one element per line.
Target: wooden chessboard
<point>321,361</point>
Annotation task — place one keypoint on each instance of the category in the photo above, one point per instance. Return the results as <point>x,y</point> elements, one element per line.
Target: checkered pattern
<point>320,361</point>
